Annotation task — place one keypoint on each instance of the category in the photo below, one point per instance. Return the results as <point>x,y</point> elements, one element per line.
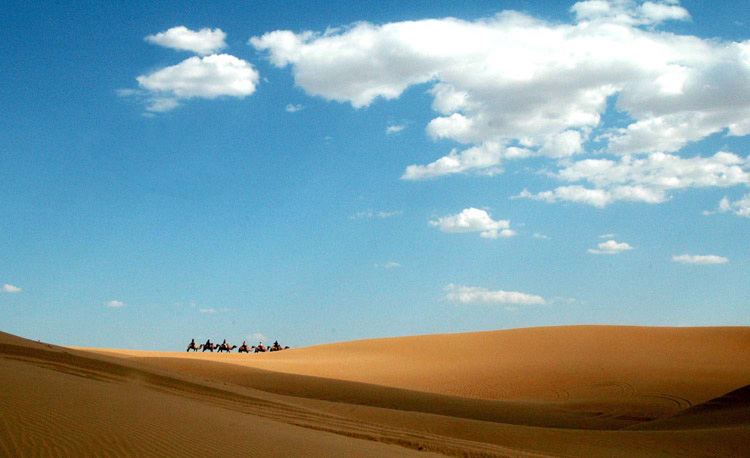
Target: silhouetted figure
<point>193,346</point>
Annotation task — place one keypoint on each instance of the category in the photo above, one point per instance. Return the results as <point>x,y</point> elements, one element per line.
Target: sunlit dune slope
<point>670,368</point>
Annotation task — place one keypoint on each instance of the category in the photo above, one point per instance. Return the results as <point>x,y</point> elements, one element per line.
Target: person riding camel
<point>207,344</point>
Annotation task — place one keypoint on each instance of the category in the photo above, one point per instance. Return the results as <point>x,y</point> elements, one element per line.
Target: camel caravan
<point>224,346</point>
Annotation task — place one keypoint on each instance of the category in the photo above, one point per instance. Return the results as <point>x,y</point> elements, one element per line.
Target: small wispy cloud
<point>115,304</point>
<point>293,108</point>
<point>538,235</point>
<point>394,129</point>
<point>739,207</point>
<point>370,214</point>
<point>479,295</point>
<point>563,300</point>
<point>389,265</point>
<point>209,310</point>
<point>256,336</point>
<point>700,259</point>
<point>10,289</point>
<point>607,236</point>
<point>610,247</point>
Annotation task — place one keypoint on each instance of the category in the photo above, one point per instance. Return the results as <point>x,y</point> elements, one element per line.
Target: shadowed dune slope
<point>731,409</point>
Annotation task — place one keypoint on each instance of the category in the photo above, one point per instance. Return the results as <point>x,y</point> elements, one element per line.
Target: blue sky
<point>328,172</point>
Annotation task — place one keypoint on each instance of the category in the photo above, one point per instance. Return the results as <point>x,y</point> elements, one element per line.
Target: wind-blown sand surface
<point>557,391</point>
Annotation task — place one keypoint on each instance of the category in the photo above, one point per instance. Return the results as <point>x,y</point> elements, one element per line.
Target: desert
<point>549,391</point>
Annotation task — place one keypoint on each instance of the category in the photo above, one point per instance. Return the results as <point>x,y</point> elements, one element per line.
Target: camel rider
<point>208,344</point>
<point>276,344</point>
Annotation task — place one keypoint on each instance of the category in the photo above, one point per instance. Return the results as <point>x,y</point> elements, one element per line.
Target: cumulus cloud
<point>484,159</point>
<point>479,295</point>
<point>206,77</point>
<point>610,247</point>
<point>646,179</point>
<point>394,129</point>
<point>205,41</point>
<point>293,108</point>
<point>10,288</point>
<point>115,304</point>
<point>513,80</point>
<point>700,259</point>
<point>474,220</point>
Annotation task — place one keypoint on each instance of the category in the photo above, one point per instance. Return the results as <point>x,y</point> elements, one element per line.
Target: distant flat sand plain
<point>574,391</point>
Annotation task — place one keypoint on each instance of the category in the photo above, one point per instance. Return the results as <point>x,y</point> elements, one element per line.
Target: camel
<point>225,347</point>
<point>210,347</point>
<point>244,348</point>
<point>194,347</point>
<point>260,349</point>
<point>277,347</point>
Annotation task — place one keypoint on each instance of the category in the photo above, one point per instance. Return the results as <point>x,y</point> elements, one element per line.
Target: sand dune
<point>560,391</point>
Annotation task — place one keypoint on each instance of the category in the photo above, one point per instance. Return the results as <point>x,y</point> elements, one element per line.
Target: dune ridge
<point>560,391</point>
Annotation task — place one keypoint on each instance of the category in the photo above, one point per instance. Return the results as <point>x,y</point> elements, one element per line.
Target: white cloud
<point>389,265</point>
<point>629,12</point>
<point>293,108</point>
<point>206,77</point>
<point>394,129</point>
<point>256,336</point>
<point>484,158</point>
<point>606,236</point>
<point>514,80</point>
<point>700,259</point>
<point>10,288</point>
<point>205,41</point>
<point>475,294</point>
<point>162,104</point>
<point>474,220</point>
<point>610,247</point>
<point>738,207</point>
<point>370,214</point>
<point>645,179</point>
<point>595,197</point>
<point>115,304</point>
<point>538,235</point>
